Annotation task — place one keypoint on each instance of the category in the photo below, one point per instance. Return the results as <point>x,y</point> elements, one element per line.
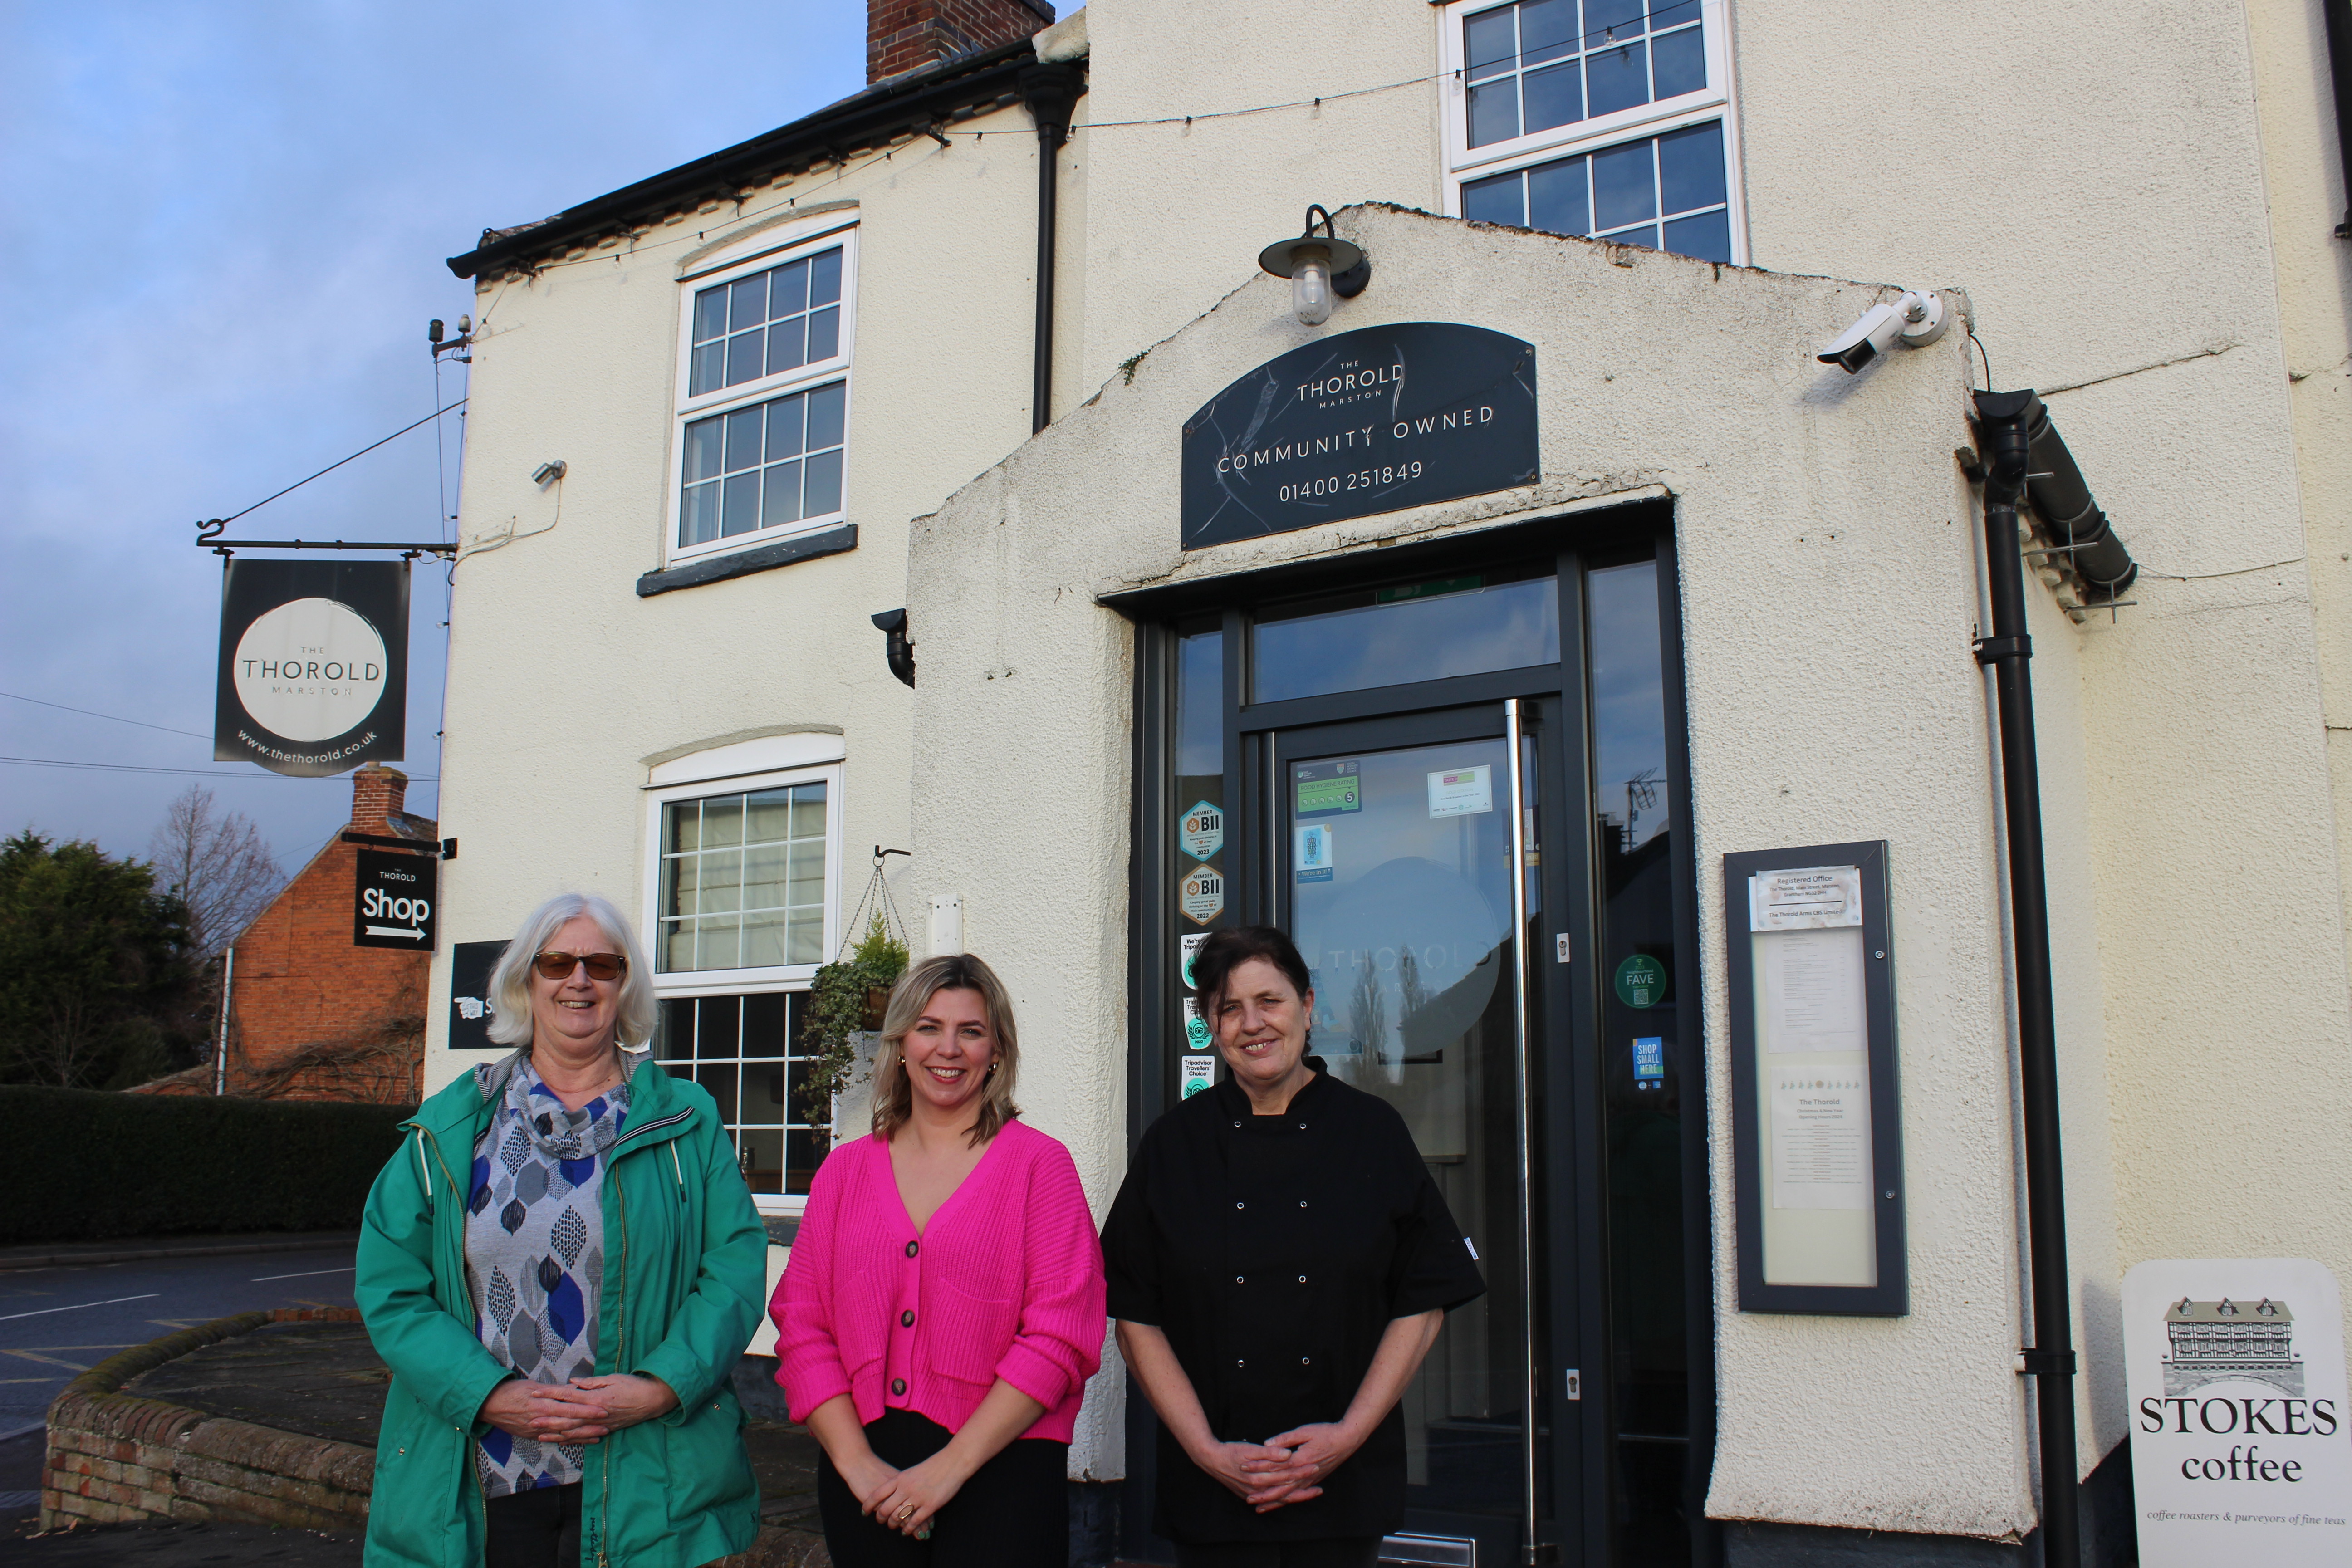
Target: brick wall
<point>114,1457</point>
<point>907,35</point>
<point>311,1015</point>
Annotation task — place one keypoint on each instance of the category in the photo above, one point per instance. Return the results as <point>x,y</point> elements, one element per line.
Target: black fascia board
<point>898,106</point>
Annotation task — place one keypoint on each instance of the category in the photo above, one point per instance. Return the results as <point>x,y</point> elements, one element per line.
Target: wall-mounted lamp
<point>896,649</point>
<point>1320,267</point>
<point>547,473</point>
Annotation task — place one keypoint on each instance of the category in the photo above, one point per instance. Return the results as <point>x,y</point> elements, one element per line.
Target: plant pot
<point>878,1001</point>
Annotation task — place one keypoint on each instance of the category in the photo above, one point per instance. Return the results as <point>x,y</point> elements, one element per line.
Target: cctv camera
<point>546,471</point>
<point>1915,320</point>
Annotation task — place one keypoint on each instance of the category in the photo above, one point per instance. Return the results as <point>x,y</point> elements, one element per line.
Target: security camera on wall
<point>1915,320</point>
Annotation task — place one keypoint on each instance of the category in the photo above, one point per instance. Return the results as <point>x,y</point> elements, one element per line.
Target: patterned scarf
<point>535,1252</point>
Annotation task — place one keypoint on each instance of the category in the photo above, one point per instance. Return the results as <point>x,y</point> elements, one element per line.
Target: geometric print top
<point>535,1254</point>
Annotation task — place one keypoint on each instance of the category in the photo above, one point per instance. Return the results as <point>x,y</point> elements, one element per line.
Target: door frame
<point>1568,1106</point>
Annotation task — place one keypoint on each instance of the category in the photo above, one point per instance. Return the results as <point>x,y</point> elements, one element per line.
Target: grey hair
<point>509,987</point>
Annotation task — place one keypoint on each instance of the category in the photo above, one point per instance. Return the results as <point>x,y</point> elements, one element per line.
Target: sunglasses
<point>600,965</point>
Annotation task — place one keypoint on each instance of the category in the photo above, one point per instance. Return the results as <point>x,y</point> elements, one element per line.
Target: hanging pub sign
<point>1368,421</point>
<point>314,664</point>
<point>393,900</point>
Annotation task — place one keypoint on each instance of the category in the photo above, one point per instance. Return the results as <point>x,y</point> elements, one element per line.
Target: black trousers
<point>1336,1552</point>
<point>537,1529</point>
<point>1015,1512</point>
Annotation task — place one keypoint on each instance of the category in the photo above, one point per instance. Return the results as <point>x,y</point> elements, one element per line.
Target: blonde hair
<point>893,1095</point>
<point>510,987</point>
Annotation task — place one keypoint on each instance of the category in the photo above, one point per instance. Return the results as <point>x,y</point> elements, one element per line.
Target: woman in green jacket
<point>561,1266</point>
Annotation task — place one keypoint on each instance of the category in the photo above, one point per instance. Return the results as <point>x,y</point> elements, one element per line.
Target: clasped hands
<point>579,1411</point>
<point>1288,1467</point>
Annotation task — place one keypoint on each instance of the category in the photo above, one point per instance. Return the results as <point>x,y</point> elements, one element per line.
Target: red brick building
<point>312,1017</point>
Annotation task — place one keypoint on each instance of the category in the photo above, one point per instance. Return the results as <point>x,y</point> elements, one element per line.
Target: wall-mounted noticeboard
<point>1814,1092</point>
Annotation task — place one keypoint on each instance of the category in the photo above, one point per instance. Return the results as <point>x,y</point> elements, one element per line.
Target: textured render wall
<point>560,678</point>
<point>2304,180</point>
<point>1178,214</point>
<point>2101,195</point>
<point>1830,592</point>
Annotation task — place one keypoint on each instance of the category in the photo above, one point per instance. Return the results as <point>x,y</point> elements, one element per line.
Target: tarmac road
<point>58,1322</point>
<point>62,1320</point>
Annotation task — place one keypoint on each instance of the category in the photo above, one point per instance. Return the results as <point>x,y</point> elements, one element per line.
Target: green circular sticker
<point>1640,981</point>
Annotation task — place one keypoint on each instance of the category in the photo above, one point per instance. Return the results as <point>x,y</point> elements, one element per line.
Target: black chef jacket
<point>1274,1251</point>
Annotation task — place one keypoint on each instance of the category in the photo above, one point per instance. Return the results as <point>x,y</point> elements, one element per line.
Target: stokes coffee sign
<point>2240,1451</point>
<point>314,664</point>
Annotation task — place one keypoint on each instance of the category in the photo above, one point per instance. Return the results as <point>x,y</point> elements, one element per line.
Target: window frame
<point>1463,164</point>
<point>764,977</point>
<point>767,250</point>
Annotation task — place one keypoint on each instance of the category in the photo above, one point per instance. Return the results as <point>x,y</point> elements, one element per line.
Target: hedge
<point>80,1164</point>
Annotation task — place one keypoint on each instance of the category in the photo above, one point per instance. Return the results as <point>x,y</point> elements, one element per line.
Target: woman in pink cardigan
<point>943,1308</point>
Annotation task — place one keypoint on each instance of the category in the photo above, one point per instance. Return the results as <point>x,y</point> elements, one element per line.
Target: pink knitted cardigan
<point>1005,1281</point>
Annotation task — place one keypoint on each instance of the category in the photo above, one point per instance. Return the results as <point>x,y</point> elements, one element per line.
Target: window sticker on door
<point>1650,1062</point>
<point>1462,792</point>
<point>1314,860</point>
<point>1327,789</point>
<point>1203,832</point>
<point>1201,895</point>
<point>1197,1073</point>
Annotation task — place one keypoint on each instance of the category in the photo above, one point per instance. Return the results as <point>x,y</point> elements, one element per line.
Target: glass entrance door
<point>1397,888</point>
<point>1338,762</point>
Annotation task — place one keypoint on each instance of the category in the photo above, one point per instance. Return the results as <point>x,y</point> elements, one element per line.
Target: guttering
<point>1050,92</point>
<point>901,105</point>
<point>2006,421</point>
<point>2339,66</point>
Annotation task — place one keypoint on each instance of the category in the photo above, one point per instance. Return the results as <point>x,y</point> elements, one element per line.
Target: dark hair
<point>1227,950</point>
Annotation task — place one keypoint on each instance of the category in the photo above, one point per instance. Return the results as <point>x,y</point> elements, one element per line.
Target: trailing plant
<point>846,999</point>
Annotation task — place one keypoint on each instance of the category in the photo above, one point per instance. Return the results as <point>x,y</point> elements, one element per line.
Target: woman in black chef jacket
<point>1279,1262</point>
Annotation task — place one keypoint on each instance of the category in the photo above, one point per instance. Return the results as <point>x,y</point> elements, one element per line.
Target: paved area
<point>321,1380</point>
<point>61,1320</point>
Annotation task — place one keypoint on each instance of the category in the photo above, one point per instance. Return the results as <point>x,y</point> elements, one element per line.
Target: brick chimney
<point>376,793</point>
<point>907,35</point>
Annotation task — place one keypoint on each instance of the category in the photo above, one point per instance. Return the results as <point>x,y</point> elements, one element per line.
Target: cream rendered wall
<point>1829,582</point>
<point>1177,213</point>
<point>563,682</point>
<point>2304,179</point>
<point>2099,192</point>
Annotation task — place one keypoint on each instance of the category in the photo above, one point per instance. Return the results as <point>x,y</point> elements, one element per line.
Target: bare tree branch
<point>218,865</point>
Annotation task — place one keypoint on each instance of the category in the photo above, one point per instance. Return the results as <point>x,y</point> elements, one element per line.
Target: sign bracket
<point>447,849</point>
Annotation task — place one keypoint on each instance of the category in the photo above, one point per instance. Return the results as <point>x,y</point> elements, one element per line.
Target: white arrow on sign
<point>395,931</point>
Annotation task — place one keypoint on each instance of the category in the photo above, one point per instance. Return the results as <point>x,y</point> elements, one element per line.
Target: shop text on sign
<point>1370,421</point>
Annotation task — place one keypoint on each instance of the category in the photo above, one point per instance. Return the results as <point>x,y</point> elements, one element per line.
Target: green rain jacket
<point>686,1265</point>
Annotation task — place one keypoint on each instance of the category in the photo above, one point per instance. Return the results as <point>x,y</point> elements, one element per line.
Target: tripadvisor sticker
<point>1640,981</point>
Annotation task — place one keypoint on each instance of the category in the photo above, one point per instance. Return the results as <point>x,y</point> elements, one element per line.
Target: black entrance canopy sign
<point>1370,421</point>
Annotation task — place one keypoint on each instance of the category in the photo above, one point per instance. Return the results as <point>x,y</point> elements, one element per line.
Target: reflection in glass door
<point>1399,886</point>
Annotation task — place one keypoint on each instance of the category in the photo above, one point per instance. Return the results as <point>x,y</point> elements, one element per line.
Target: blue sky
<point>222,231</point>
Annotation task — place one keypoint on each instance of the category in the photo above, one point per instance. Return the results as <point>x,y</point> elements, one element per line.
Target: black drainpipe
<point>2005,422</point>
<point>2339,62</point>
<point>1050,92</point>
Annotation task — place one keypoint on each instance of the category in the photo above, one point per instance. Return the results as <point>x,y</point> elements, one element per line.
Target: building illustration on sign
<point>2216,1341</point>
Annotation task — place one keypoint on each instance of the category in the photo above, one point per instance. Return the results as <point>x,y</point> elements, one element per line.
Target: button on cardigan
<point>1005,1281</point>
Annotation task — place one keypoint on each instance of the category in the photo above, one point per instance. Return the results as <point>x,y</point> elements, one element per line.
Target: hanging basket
<point>847,998</point>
